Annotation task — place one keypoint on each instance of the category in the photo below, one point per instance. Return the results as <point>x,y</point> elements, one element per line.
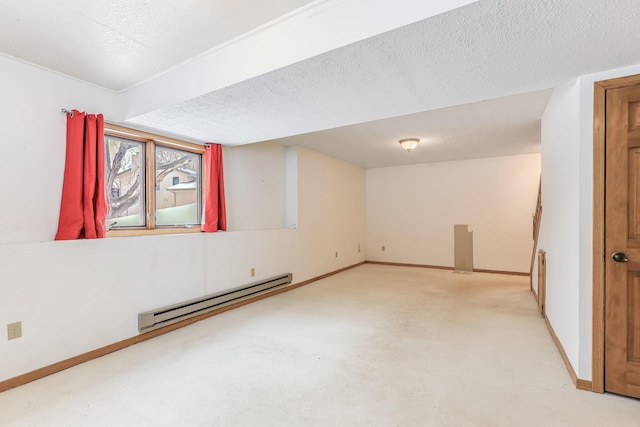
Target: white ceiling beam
<point>320,27</point>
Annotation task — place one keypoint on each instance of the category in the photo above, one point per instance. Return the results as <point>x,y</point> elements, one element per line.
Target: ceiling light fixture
<point>409,143</point>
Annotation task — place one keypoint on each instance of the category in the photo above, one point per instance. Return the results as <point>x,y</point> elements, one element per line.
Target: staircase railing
<point>537,216</point>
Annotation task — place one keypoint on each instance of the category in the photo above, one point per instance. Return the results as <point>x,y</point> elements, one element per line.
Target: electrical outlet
<point>253,272</point>
<point>14,330</point>
<point>383,248</point>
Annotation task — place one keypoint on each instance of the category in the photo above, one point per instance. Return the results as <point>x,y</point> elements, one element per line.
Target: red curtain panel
<point>214,216</point>
<point>83,209</point>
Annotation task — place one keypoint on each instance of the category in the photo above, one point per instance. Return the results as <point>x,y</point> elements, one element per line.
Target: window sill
<point>157,231</point>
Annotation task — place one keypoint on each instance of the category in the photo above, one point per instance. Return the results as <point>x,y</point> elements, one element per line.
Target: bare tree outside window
<point>176,176</point>
<point>177,187</point>
<point>124,176</point>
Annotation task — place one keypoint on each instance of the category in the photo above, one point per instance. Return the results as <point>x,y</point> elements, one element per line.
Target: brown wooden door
<point>622,235</point>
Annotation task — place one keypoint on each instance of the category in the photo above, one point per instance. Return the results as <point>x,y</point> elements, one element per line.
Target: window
<point>154,184</point>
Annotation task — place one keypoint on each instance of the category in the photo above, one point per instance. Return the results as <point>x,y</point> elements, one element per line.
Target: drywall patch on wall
<point>463,248</point>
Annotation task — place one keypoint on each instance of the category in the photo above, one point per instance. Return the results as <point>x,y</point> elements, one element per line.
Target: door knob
<point>619,257</point>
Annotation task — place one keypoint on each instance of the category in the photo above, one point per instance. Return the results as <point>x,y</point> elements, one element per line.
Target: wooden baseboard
<point>103,351</point>
<point>580,384</point>
<point>584,385</point>
<point>400,264</point>
<point>508,273</point>
<point>441,267</point>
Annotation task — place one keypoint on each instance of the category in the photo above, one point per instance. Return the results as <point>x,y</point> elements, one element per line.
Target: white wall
<point>566,231</point>
<point>559,229</point>
<point>254,178</point>
<point>331,210</point>
<point>75,296</point>
<point>411,210</point>
<point>32,132</point>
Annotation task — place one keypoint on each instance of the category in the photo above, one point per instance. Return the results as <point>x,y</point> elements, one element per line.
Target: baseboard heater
<point>174,313</point>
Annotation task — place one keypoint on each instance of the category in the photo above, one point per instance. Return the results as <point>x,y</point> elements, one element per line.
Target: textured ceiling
<point>472,82</point>
<point>126,41</point>
<point>482,51</point>
<point>499,127</point>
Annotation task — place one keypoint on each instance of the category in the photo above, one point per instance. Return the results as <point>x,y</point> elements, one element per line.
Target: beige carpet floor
<point>373,346</point>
